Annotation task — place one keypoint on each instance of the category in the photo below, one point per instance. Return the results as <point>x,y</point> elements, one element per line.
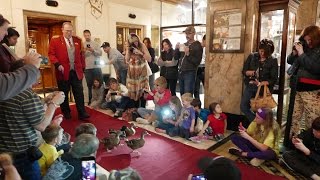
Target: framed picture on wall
<point>227,28</point>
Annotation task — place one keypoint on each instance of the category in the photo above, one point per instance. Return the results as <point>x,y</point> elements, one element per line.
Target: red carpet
<point>161,158</point>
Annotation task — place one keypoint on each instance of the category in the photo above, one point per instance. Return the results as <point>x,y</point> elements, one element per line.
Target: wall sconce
<point>52,3</point>
<point>132,16</point>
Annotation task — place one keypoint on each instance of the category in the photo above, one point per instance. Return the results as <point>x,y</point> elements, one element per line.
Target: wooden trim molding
<point>34,14</point>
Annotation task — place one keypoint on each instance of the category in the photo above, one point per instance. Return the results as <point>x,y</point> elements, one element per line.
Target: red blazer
<point>58,55</point>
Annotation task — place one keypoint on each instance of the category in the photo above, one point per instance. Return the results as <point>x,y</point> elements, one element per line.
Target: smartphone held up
<point>89,168</point>
<point>198,177</point>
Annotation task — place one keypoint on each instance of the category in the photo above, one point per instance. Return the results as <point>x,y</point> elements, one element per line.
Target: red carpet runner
<point>161,158</point>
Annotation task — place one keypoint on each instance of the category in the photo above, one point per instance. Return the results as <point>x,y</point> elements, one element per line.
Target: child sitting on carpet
<point>86,128</point>
<point>305,158</point>
<point>117,98</point>
<point>184,127</point>
<point>52,136</point>
<point>217,122</point>
<point>97,94</point>
<point>170,115</point>
<point>260,140</point>
<point>201,115</point>
<point>160,96</point>
<point>68,166</point>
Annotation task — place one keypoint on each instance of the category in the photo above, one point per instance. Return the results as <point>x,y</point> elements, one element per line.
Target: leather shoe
<point>83,116</point>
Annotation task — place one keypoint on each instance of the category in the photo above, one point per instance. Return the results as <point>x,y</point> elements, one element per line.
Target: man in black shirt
<point>189,61</point>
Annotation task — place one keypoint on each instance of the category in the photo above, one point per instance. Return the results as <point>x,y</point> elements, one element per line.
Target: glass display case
<point>277,21</point>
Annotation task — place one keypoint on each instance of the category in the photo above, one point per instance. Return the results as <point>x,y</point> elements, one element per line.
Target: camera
<point>302,42</point>
<point>254,77</point>
<point>88,46</point>
<point>44,60</point>
<point>294,46</point>
<point>113,94</point>
<point>131,49</point>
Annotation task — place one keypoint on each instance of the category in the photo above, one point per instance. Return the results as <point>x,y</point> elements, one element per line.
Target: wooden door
<point>123,31</point>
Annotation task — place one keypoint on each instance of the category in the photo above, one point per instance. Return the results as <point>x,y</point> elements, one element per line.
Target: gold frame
<point>227,6</point>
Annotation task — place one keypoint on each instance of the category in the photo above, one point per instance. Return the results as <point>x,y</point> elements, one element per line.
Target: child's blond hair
<point>161,81</point>
<point>187,97</point>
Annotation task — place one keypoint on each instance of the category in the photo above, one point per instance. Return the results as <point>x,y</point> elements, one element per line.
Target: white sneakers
<point>142,121</point>
<point>256,162</point>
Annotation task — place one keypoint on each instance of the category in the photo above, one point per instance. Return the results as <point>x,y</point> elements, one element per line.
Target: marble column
<point>224,81</point>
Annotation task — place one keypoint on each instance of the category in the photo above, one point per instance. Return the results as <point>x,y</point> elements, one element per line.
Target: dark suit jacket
<point>58,55</point>
<point>5,59</point>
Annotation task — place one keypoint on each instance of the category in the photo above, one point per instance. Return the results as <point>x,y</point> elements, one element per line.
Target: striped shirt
<point>18,116</point>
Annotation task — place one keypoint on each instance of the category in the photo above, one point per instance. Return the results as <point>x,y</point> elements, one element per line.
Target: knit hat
<point>261,112</point>
<point>219,168</point>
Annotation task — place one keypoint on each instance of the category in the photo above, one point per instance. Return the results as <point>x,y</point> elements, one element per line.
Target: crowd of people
<point>25,118</point>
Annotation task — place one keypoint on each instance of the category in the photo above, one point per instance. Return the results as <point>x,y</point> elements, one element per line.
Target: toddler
<point>184,127</point>
<point>170,115</point>
<point>52,136</point>
<point>201,114</point>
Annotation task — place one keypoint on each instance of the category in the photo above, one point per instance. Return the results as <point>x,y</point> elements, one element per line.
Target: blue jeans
<point>123,76</point>
<point>249,92</point>
<point>124,104</point>
<point>179,131</point>
<point>253,152</point>
<point>151,81</point>
<point>172,84</point>
<point>143,112</point>
<point>200,78</point>
<point>28,170</point>
<point>91,75</point>
<point>186,81</point>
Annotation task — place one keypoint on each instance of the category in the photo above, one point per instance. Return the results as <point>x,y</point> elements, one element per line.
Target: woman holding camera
<point>306,56</point>
<point>137,56</point>
<point>259,69</point>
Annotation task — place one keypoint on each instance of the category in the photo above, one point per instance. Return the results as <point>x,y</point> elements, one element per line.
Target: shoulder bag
<point>265,101</point>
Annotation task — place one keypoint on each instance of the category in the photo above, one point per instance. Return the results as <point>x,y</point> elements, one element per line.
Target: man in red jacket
<point>65,52</point>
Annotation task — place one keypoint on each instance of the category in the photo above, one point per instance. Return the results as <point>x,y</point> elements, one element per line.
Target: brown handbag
<point>265,101</point>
